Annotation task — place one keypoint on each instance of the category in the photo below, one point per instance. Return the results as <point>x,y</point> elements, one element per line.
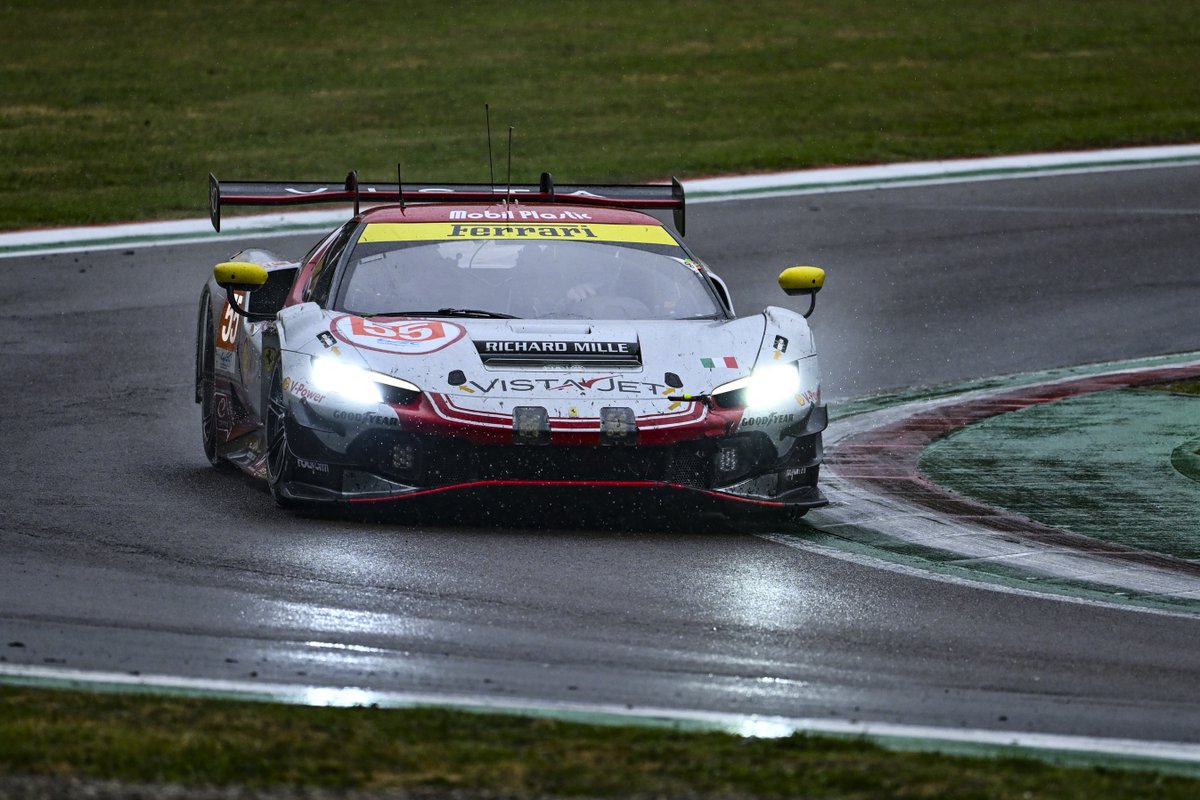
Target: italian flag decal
<point>724,361</point>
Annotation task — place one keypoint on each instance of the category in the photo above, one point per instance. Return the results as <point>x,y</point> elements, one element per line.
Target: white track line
<point>748,725</point>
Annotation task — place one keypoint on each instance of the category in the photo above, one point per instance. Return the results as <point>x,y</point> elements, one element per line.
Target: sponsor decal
<point>269,355</point>
<point>366,418</point>
<point>556,348</point>
<point>230,323</point>
<point>521,214</point>
<point>223,411</point>
<point>521,232</point>
<point>724,361</point>
<point>223,362</point>
<point>409,337</point>
<point>287,383</point>
<point>312,466</point>
<point>326,338</point>
<point>302,391</point>
<point>809,397</point>
<point>245,355</point>
<point>780,347</point>
<point>534,228</point>
<point>767,420</point>
<point>607,384</point>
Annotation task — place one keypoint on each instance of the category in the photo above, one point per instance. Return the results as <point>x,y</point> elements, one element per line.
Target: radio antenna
<point>399,185</point>
<point>509,191</point>
<point>487,115</point>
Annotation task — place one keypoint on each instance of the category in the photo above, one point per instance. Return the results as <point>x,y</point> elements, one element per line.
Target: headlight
<point>357,384</point>
<point>767,386</point>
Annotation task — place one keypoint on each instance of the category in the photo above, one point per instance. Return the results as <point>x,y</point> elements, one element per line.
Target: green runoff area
<point>118,110</point>
<point>73,739</point>
<point>1078,464</point>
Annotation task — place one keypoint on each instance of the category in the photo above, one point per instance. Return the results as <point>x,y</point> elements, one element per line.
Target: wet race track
<point>121,550</point>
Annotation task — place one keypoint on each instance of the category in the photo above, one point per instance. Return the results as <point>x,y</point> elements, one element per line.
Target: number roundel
<point>405,337</point>
<point>230,323</point>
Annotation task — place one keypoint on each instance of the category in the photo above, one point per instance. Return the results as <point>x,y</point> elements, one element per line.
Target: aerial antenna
<point>352,186</point>
<point>491,171</point>
<point>509,191</point>
<point>399,185</point>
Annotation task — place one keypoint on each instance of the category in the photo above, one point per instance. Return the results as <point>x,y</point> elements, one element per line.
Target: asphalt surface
<point>121,550</point>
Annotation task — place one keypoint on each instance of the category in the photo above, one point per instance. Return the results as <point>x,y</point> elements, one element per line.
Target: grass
<point>118,110</point>
<point>1178,387</point>
<point>137,739</point>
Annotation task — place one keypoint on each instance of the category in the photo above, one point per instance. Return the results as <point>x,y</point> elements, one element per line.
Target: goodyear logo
<point>453,231</point>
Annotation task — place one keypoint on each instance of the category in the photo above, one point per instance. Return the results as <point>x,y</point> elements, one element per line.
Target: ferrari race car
<point>457,336</point>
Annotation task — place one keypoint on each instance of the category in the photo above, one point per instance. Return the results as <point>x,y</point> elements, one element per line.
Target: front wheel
<point>206,388</point>
<point>281,463</point>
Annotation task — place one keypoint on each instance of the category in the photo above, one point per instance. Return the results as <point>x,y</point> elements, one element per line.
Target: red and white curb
<point>870,476</point>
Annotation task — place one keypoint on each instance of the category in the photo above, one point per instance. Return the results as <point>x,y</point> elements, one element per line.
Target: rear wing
<point>263,193</point>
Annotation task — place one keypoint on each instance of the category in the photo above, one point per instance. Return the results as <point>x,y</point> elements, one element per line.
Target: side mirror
<point>803,281</point>
<point>240,276</point>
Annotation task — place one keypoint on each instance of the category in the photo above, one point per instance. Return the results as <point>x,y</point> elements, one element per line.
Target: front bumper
<point>387,464</point>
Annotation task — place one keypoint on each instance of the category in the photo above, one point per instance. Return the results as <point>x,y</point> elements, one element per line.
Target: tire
<point>794,514</point>
<point>281,463</point>
<point>206,384</point>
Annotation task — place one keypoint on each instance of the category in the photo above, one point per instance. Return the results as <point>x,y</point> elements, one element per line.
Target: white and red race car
<point>464,336</point>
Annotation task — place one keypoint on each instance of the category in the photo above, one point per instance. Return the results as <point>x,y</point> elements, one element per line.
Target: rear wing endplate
<point>647,197</point>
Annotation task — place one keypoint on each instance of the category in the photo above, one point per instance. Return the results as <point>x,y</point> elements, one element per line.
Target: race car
<point>455,336</point>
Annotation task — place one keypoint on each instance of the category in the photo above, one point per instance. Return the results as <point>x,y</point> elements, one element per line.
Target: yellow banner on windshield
<point>452,231</point>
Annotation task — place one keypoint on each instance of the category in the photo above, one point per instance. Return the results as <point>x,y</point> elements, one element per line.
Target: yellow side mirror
<point>802,280</point>
<point>239,275</point>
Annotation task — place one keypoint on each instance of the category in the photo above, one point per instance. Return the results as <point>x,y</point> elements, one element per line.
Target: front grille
<point>455,463</point>
<point>689,467</point>
<point>433,461</point>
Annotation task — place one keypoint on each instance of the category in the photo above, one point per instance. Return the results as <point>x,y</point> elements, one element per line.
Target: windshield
<point>535,278</point>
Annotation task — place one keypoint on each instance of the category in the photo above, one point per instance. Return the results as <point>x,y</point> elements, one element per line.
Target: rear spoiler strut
<point>264,193</point>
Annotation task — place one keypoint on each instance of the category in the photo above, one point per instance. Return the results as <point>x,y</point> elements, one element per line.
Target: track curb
<point>883,505</point>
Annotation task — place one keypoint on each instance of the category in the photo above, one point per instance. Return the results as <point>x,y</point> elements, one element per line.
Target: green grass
<point>1178,387</point>
<point>118,109</point>
<point>139,739</point>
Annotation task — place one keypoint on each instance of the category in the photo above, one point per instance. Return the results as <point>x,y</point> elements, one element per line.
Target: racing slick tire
<point>206,384</point>
<point>281,462</point>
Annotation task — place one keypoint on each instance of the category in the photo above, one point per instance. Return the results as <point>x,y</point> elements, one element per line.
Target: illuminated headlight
<point>353,383</point>
<point>771,385</point>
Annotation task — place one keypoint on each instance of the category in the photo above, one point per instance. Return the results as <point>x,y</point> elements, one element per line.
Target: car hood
<point>550,359</point>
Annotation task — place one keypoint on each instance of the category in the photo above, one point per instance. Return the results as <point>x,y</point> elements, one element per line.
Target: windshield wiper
<point>474,312</point>
<point>445,312</point>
